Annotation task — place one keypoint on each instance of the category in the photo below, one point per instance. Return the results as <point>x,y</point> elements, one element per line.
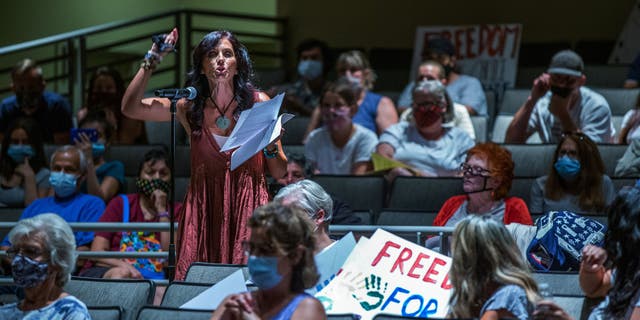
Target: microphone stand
<point>171,264</point>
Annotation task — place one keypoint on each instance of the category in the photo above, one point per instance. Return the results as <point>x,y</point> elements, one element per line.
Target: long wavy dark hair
<point>589,180</point>
<point>38,161</point>
<point>621,242</point>
<point>242,81</point>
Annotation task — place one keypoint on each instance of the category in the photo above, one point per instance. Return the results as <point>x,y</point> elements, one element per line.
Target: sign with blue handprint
<point>387,274</point>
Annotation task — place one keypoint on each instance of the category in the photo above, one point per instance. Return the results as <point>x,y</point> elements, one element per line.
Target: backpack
<point>559,239</point>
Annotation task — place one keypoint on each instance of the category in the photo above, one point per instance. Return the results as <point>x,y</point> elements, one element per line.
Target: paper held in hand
<point>256,128</point>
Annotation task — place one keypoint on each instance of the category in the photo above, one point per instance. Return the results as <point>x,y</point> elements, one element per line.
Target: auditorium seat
<point>155,312</point>
<point>521,188</point>
<point>620,100</point>
<point>130,295</point>
<point>619,183</point>
<point>610,154</point>
<point>360,192</point>
<point>294,130</point>
<point>480,126</point>
<point>9,215</point>
<point>366,216</point>
<point>105,313</point>
<point>512,100</point>
<point>406,218</point>
<point>531,160</point>
<point>179,293</point>
<point>424,194</point>
<point>132,155</point>
<point>211,273</point>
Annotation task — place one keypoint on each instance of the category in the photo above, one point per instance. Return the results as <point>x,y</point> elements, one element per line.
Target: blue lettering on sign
<point>423,310</point>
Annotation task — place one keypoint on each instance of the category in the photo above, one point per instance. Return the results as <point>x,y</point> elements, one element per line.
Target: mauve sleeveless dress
<point>218,204</point>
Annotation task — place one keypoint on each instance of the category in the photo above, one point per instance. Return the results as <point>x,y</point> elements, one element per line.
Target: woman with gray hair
<point>316,203</point>
<point>425,144</point>
<point>43,257</point>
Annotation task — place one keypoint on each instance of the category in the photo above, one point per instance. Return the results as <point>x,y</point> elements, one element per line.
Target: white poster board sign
<point>388,274</point>
<point>211,298</point>
<point>488,52</point>
<point>330,260</point>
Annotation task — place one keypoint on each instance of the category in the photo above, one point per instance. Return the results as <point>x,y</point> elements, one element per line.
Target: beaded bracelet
<point>270,154</point>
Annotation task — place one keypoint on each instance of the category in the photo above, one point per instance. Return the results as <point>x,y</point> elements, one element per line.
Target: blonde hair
<point>357,59</point>
<point>485,257</point>
<point>287,228</point>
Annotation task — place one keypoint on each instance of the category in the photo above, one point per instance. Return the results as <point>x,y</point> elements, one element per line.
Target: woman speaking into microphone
<point>219,202</point>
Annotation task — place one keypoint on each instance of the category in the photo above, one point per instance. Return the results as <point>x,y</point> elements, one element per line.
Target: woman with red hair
<point>487,173</point>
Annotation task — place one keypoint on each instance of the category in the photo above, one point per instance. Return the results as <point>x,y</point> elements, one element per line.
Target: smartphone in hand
<point>91,133</point>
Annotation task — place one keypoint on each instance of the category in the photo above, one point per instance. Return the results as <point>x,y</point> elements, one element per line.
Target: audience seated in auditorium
<point>630,123</point>
<point>50,110</point>
<point>489,278</point>
<point>43,257</point>
<point>431,70</point>
<point>559,102</point>
<point>425,144</point>
<point>576,181</point>
<point>298,169</point>
<point>375,112</point>
<point>68,170</point>
<point>148,204</point>
<point>106,89</point>
<point>24,175</point>
<point>633,77</point>
<point>281,264</point>
<point>105,179</point>
<point>486,180</point>
<point>629,164</point>
<point>316,203</point>
<point>613,272</point>
<point>314,63</point>
<point>463,89</point>
<point>340,146</point>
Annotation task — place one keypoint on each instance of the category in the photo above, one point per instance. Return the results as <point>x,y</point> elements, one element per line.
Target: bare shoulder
<point>309,308</point>
<point>262,96</point>
<point>386,101</point>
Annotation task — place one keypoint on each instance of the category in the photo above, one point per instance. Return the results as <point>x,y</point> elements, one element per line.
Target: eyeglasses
<point>29,252</point>
<point>263,249</point>
<point>474,171</point>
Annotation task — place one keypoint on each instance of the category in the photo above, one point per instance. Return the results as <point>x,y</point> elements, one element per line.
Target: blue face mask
<point>97,149</point>
<point>310,69</point>
<point>264,271</point>
<point>18,152</point>
<point>567,168</point>
<point>64,184</point>
<point>28,273</point>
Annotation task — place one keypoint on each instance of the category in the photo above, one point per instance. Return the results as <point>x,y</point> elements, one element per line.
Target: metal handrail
<point>75,57</point>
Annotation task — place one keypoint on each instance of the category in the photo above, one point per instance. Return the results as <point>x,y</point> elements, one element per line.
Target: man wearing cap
<point>463,89</point>
<point>559,102</point>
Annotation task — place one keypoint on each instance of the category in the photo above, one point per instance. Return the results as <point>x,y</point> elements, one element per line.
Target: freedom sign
<point>487,52</point>
<point>387,274</point>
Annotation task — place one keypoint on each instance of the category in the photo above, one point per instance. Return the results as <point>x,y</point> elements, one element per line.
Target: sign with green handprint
<point>387,274</point>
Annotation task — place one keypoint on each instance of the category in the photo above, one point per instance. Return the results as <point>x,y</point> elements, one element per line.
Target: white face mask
<point>310,69</point>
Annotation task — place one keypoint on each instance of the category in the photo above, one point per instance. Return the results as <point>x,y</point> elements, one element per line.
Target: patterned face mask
<point>147,186</point>
<point>28,273</point>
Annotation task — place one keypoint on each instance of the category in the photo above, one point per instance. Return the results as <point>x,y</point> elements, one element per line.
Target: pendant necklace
<point>222,121</point>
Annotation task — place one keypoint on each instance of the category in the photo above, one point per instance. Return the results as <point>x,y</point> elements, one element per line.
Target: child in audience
<point>24,176</point>
<point>489,278</point>
<point>340,146</point>
<point>576,180</point>
<point>104,178</point>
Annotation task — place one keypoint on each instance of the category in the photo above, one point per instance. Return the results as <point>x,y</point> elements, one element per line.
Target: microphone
<point>189,92</point>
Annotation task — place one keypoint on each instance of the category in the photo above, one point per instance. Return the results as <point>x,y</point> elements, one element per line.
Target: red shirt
<point>515,210</point>
<point>113,213</point>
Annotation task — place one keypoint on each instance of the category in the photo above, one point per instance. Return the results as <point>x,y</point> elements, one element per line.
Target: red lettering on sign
<point>432,270</point>
<point>405,255</point>
<point>470,33</point>
<point>446,284</point>
<point>417,265</point>
<point>383,252</point>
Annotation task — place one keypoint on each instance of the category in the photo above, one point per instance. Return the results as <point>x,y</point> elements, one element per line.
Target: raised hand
<point>593,258</point>
<point>540,86</point>
<point>84,145</point>
<point>24,169</point>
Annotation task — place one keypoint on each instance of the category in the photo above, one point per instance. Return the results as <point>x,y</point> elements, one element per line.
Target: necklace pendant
<point>223,122</point>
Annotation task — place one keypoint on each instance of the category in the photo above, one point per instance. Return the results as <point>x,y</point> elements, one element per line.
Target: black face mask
<point>562,92</point>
